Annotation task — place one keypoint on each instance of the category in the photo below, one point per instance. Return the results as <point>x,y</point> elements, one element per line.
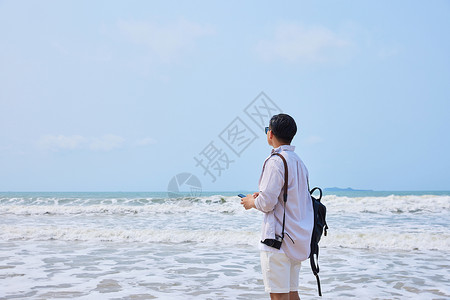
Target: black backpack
<point>320,226</point>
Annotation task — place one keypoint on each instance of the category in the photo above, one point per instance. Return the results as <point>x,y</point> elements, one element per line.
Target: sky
<point>128,95</point>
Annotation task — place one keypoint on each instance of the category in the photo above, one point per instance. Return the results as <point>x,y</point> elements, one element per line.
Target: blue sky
<point>124,95</point>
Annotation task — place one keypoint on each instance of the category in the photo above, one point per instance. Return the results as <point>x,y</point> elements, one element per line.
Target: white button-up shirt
<point>299,212</point>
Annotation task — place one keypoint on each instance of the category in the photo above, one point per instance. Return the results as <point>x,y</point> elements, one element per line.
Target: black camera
<point>275,243</point>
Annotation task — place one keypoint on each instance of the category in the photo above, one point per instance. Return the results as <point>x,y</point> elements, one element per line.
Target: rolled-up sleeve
<point>272,181</point>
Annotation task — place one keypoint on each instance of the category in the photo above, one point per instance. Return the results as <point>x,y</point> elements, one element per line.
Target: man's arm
<point>271,183</point>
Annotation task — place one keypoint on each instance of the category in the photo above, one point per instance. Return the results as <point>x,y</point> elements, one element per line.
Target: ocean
<point>380,245</point>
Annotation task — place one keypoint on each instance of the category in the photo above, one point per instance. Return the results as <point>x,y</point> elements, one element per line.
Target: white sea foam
<point>132,201</point>
<point>370,239</point>
<point>335,205</point>
<point>164,208</point>
<point>125,247</point>
<point>78,270</point>
<point>237,237</point>
<point>392,222</point>
<point>390,204</point>
<point>383,239</point>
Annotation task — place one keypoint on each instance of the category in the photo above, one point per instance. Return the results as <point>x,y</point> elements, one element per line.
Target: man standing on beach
<point>281,267</point>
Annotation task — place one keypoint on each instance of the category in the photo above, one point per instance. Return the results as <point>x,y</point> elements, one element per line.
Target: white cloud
<point>106,143</point>
<point>166,42</point>
<point>58,142</point>
<point>296,43</point>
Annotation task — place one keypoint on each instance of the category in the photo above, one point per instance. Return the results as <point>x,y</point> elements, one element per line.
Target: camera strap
<point>285,189</point>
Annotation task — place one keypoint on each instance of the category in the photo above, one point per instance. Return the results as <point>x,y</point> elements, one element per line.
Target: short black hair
<point>283,127</point>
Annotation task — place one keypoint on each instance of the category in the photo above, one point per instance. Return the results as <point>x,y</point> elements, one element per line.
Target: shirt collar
<point>283,148</point>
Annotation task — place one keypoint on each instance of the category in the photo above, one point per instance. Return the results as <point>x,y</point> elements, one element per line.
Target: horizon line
<point>206,191</point>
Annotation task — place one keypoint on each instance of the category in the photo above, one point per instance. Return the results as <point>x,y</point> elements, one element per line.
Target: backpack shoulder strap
<point>285,188</point>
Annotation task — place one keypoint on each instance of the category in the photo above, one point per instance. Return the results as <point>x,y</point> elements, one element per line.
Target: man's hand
<point>249,201</point>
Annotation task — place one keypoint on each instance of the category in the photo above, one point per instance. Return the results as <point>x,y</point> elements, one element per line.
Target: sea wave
<point>222,204</point>
<point>382,238</point>
<point>178,207</point>
<point>391,204</point>
<point>8,232</point>
<point>375,239</point>
<point>86,201</point>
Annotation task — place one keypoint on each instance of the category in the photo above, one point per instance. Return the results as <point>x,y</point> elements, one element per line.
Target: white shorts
<point>280,273</point>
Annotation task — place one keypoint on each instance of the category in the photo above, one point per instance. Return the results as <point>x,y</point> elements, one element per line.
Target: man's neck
<point>276,145</point>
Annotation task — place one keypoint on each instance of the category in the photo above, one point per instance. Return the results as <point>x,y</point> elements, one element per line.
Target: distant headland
<point>349,189</point>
